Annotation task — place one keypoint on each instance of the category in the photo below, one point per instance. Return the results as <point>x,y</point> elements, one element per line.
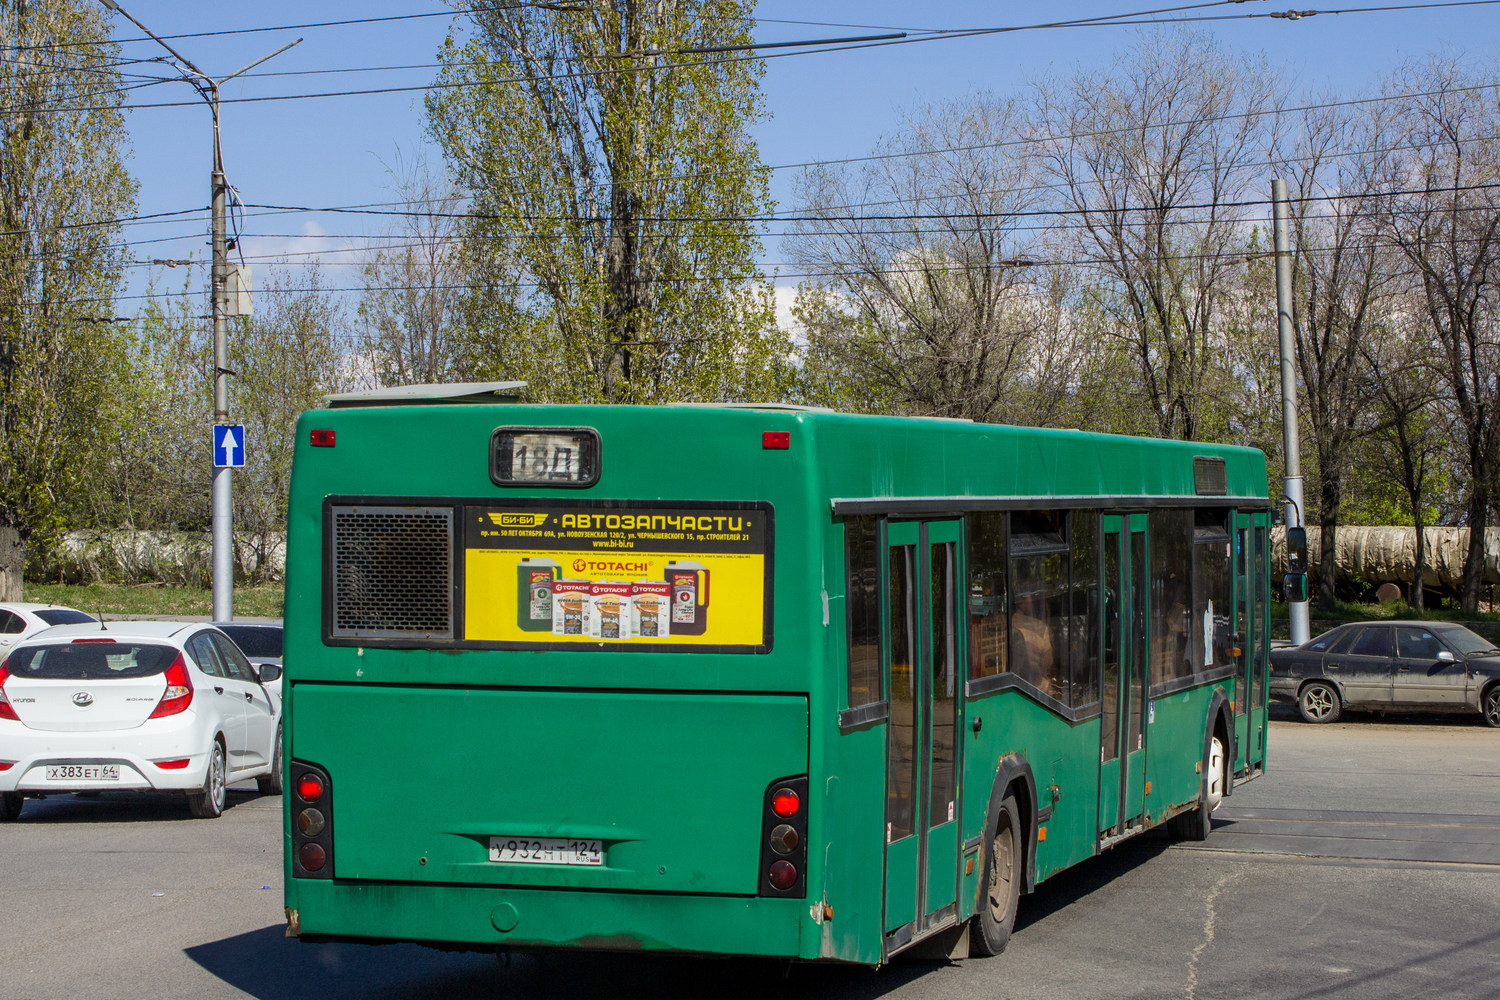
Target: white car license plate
<point>83,772</point>
<point>546,851</point>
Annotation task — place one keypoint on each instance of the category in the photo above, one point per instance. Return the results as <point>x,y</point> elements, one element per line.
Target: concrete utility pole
<point>223,477</point>
<point>1291,448</point>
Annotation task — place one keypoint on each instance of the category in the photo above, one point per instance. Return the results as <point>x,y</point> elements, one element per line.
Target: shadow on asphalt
<point>118,807</point>
<point>268,966</point>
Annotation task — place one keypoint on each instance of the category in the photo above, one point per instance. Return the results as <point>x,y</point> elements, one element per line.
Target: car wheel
<point>1319,702</point>
<point>1490,705</point>
<point>10,806</point>
<point>209,803</point>
<point>1002,881</point>
<point>1197,823</point>
<point>271,783</point>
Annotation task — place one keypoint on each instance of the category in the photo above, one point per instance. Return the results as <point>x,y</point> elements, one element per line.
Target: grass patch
<point>156,600</point>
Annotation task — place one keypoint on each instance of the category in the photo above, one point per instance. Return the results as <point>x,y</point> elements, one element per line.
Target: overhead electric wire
<point>1112,20</point>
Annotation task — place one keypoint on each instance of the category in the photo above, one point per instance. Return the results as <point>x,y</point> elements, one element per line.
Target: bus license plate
<point>83,772</point>
<point>546,851</point>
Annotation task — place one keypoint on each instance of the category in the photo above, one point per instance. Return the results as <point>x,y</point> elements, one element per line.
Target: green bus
<point>747,680</point>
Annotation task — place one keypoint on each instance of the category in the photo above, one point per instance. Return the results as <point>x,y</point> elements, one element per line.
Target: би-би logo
<point>508,519</point>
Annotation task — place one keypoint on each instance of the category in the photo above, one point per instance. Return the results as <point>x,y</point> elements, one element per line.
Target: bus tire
<point>1003,871</point>
<point>1319,702</point>
<point>1197,823</point>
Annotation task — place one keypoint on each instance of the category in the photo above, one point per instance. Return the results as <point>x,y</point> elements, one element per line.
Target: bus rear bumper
<point>491,918</point>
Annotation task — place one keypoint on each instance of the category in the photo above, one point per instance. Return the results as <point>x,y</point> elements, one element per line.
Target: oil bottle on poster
<point>535,579</point>
<point>689,583</point>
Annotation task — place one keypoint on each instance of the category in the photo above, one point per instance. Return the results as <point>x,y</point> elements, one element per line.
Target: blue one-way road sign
<point>229,446</point>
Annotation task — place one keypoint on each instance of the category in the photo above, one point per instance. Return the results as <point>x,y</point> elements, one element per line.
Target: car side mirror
<point>269,672</point>
<point>1446,656</point>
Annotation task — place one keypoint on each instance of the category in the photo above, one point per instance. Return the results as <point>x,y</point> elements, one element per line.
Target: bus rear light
<point>323,438</point>
<point>785,802</point>
<point>179,693</point>
<point>783,851</point>
<point>776,440</point>
<point>310,787</point>
<point>312,857</point>
<point>312,826</point>
<point>310,822</point>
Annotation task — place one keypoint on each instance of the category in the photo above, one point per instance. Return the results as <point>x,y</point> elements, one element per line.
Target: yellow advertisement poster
<point>576,573</point>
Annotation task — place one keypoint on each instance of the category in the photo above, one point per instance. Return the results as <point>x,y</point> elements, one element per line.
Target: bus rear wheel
<point>1002,882</point>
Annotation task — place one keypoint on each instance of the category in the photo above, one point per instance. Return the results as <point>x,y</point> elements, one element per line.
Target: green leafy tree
<point>612,182</point>
<point>63,188</point>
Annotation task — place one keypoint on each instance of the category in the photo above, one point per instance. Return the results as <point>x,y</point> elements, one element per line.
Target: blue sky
<point>333,151</point>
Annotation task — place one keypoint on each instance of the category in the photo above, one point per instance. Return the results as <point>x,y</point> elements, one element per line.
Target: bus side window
<point>1085,613</point>
<point>987,625</point>
<point>1039,632</point>
<point>862,589</point>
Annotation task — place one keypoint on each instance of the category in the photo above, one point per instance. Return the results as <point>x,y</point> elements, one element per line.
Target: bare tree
<point>1335,162</point>
<point>924,298</point>
<point>1152,158</point>
<point>1445,219</point>
<point>410,310</point>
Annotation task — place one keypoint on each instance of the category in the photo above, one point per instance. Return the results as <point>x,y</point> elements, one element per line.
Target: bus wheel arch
<point>1218,756</point>
<point>1010,825</point>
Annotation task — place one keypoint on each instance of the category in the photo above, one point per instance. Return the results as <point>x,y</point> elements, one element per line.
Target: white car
<point>145,706</point>
<point>18,621</point>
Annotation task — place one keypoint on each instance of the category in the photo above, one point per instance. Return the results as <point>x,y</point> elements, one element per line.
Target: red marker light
<point>776,440</point>
<point>783,875</point>
<point>313,857</point>
<point>323,438</point>
<point>785,802</point>
<point>172,765</point>
<point>310,787</point>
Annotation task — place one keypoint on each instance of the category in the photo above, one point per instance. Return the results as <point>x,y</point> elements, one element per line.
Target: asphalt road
<point>1366,863</point>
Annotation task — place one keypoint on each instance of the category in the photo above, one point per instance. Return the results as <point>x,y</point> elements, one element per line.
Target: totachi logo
<point>610,566</point>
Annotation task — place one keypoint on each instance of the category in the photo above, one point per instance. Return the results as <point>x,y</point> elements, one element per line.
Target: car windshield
<point>89,661</point>
<point>64,616</point>
<point>253,640</point>
<point>1463,640</point>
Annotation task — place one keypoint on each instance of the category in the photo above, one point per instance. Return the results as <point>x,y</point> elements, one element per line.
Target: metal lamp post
<point>223,476</point>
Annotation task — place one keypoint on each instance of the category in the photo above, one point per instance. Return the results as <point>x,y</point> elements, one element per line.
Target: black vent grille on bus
<point>1209,477</point>
<point>393,572</point>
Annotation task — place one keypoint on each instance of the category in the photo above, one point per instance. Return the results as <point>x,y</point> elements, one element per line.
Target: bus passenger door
<point>1247,640</point>
<point>1122,755</point>
<point>923,650</point>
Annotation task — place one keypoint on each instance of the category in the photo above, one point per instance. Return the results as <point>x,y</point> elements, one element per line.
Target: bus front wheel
<point>1002,883</point>
<point>1197,823</point>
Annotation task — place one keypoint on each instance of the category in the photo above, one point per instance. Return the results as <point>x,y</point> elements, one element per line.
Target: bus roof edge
<point>452,392</point>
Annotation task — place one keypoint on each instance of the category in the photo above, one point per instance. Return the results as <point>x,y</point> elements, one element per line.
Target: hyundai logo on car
<point>83,699</point>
